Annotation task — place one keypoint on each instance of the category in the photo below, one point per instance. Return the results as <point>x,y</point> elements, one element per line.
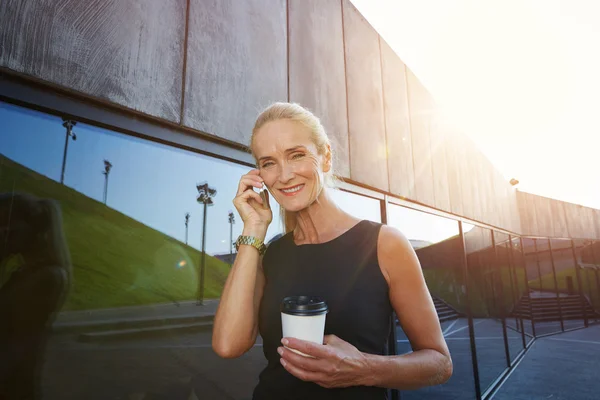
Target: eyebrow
<point>287,151</point>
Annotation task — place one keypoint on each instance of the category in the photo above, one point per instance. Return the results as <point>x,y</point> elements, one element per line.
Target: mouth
<point>292,191</point>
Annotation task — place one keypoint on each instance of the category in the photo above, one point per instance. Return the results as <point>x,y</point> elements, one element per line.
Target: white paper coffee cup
<point>303,317</point>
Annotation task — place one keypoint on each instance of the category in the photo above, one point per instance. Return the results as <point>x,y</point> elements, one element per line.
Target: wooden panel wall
<point>316,69</point>
<point>421,107</point>
<point>236,64</point>
<point>453,164</point>
<point>397,124</point>
<point>437,139</point>
<point>541,216</point>
<point>384,125</point>
<point>366,123</point>
<point>107,50</point>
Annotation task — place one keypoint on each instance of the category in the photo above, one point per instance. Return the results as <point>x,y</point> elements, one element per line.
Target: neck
<point>321,221</point>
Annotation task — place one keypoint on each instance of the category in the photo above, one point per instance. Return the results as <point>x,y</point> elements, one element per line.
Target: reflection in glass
<point>571,278</point>
<point>590,262</point>
<point>438,246</point>
<point>522,310</point>
<point>545,307</point>
<point>133,228</point>
<point>510,290</point>
<point>361,207</point>
<point>486,287</point>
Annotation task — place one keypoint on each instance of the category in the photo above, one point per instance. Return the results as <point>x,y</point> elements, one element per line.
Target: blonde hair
<point>296,113</point>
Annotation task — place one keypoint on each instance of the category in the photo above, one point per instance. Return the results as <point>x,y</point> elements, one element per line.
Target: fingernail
<point>282,361</point>
<point>284,341</point>
<point>280,350</point>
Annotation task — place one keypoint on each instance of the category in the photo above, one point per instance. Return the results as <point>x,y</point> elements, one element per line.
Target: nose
<point>287,173</point>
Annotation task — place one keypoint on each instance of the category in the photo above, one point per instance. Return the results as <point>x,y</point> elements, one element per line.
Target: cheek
<point>308,168</point>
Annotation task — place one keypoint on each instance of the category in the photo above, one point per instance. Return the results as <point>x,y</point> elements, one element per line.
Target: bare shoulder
<point>394,252</point>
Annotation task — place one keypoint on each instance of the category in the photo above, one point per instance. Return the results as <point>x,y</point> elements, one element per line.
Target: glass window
<point>590,261</point>
<point>361,207</point>
<point>107,265</point>
<point>570,279</point>
<point>438,246</point>
<point>544,304</point>
<point>512,288</point>
<point>487,282</point>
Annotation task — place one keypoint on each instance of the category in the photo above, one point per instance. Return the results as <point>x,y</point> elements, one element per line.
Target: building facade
<point>121,118</point>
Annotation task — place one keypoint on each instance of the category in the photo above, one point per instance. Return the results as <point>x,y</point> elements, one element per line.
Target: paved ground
<point>183,366</point>
<point>558,367</point>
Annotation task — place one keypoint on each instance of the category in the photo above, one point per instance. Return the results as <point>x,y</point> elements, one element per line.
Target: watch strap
<point>251,241</point>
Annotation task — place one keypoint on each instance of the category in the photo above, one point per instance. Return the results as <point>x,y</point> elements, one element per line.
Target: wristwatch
<point>252,241</point>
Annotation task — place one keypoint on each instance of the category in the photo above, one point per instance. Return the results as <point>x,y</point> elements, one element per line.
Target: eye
<point>267,164</point>
<point>297,156</point>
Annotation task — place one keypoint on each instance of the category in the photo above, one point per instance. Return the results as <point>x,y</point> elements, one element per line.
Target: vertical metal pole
<point>231,241</point>
<point>502,305</point>
<point>513,263</point>
<point>596,259</point>
<point>537,260</point>
<point>106,189</point>
<point>392,344</point>
<point>527,284</point>
<point>64,162</point>
<point>562,323</point>
<point>577,275</point>
<point>203,257</point>
<point>469,314</point>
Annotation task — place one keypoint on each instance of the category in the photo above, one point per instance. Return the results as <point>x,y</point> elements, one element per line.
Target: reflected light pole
<point>107,168</point>
<point>187,221</point>
<point>205,195</point>
<point>68,124</point>
<point>231,222</point>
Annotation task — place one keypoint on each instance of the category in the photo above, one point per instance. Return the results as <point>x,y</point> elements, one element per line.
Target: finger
<point>247,182</point>
<point>302,374</point>
<point>303,362</point>
<point>250,194</point>
<point>254,172</point>
<point>310,348</point>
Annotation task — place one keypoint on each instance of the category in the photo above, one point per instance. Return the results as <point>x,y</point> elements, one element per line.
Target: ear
<point>327,159</point>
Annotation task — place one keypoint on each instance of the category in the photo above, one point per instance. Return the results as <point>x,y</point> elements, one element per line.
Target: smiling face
<point>290,163</point>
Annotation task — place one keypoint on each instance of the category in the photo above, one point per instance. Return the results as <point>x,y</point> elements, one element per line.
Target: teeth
<point>292,190</point>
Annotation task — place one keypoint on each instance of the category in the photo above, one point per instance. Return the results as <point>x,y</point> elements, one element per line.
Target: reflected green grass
<point>117,260</point>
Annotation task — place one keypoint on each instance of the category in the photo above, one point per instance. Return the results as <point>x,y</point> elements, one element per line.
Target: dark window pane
<point>438,246</point>
<point>105,270</point>
<point>486,286</point>
<point>511,277</point>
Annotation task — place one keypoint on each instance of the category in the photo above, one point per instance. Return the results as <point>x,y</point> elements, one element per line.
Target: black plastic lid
<point>303,305</point>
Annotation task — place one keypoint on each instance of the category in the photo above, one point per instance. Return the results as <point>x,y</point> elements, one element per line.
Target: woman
<point>362,269</point>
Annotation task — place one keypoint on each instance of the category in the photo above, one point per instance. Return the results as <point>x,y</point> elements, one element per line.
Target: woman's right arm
<point>236,322</point>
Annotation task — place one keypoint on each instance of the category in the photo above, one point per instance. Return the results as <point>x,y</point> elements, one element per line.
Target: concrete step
<point>123,334</point>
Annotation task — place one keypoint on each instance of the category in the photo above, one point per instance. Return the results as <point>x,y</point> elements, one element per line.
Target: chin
<point>294,205</point>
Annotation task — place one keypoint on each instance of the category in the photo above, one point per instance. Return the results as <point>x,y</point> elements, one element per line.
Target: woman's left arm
<point>430,362</point>
<point>339,364</point>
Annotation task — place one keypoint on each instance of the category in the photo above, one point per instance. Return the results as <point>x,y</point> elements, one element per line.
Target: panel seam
<point>185,51</point>
<point>384,114</point>
<point>346,83</point>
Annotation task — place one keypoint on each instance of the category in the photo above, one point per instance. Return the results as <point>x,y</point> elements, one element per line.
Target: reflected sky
<point>156,184</point>
<point>152,183</point>
<point>417,225</point>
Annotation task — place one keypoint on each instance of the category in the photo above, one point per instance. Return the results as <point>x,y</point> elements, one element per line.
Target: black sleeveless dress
<point>346,274</point>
